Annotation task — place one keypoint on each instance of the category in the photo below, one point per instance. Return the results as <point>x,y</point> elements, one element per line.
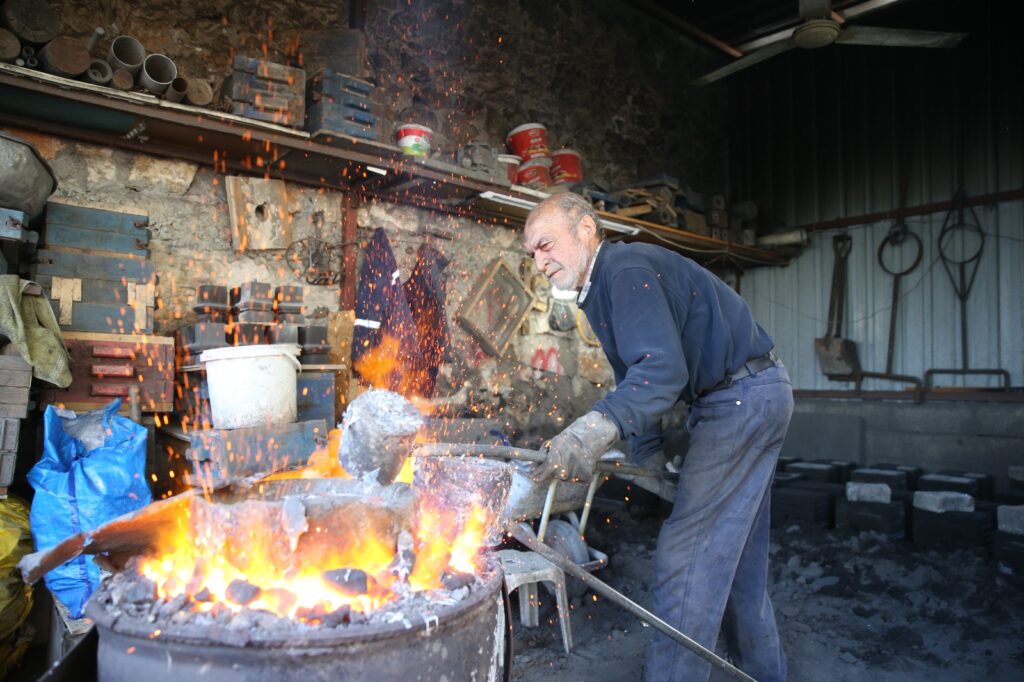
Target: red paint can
<point>534,174</point>
<point>566,166</point>
<point>529,141</point>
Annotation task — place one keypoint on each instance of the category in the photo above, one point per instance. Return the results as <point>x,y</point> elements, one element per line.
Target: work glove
<point>571,455</point>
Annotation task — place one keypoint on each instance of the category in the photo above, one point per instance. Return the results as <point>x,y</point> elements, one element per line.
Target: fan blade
<point>897,37</point>
<point>745,61</point>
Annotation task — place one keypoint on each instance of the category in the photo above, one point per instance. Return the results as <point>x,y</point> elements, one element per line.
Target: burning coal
<point>318,552</point>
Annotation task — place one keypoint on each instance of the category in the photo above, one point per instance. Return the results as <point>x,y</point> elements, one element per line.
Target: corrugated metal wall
<point>833,133</point>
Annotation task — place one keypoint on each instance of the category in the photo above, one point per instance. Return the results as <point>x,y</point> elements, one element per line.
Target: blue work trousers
<point>712,555</point>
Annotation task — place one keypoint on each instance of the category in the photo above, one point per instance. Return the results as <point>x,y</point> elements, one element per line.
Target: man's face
<point>557,249</point>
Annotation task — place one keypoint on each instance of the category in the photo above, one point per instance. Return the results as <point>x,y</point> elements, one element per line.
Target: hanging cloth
<point>385,345</point>
<point>425,291</point>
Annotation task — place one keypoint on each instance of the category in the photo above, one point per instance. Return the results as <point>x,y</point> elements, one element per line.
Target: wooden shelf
<point>233,144</point>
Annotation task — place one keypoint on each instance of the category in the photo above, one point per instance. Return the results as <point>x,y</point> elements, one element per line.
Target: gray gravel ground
<point>850,608</point>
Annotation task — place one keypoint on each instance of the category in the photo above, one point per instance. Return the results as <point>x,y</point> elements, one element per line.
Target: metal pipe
<point>176,90</point>
<point>492,451</point>
<point>545,515</point>
<point>625,602</point>
<point>591,491</point>
<point>99,72</point>
<point>630,470</point>
<point>95,39</point>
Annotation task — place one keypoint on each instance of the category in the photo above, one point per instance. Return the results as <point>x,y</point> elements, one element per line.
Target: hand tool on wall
<point>836,355</point>
<point>897,236</point>
<point>962,269</point>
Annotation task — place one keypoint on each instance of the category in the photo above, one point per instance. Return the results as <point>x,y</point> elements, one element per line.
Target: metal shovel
<point>836,355</point>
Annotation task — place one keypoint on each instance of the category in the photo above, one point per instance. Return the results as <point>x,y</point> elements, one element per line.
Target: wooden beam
<point>686,27</point>
<point>923,209</point>
<point>349,237</point>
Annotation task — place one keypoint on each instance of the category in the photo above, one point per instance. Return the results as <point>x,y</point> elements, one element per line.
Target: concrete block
<point>913,472</point>
<point>948,482</point>
<point>942,501</point>
<point>888,519</point>
<point>896,480</point>
<point>816,471</point>
<point>1010,519</point>
<point>868,492</point>
<point>784,478</point>
<point>1015,473</point>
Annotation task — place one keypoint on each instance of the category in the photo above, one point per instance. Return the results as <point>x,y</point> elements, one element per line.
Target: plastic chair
<point>526,570</point>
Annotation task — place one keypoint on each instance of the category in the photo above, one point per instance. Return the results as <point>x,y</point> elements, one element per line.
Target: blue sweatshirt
<point>670,330</point>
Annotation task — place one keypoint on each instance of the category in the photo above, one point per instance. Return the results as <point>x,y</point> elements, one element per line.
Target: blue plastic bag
<point>93,469</point>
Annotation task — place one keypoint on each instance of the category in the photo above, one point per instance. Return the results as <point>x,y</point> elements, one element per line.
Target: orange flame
<point>194,558</point>
<point>386,366</point>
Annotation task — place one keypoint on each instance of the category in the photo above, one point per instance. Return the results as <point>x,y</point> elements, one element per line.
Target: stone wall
<point>604,78</point>
<point>544,378</point>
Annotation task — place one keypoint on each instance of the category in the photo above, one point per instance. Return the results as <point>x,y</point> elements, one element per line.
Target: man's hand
<point>572,454</point>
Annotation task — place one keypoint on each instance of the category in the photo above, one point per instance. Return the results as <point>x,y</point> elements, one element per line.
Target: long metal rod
<point>625,602</point>
<point>545,516</point>
<point>492,451</point>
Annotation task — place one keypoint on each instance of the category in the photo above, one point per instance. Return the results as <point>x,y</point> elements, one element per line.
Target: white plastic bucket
<point>252,385</point>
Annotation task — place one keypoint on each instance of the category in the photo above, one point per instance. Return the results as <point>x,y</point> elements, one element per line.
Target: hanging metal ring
<point>896,237</point>
<point>948,230</point>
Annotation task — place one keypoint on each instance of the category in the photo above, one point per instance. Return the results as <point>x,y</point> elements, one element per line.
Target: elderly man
<point>673,331</point>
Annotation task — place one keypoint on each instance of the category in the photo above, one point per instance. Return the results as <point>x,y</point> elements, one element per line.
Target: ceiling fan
<point>820,26</point>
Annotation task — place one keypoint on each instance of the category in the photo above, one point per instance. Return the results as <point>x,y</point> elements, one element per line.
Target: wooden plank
<point>96,317</point>
<point>112,349</point>
<point>95,218</point>
<point>259,214</point>
<point>50,397</point>
<point>152,392</point>
<point>93,290</point>
<point>80,238</point>
<point>144,339</point>
<point>14,395</point>
<point>14,363</point>
<point>111,370</point>
<point>9,430</point>
<point>110,390</point>
<point>349,236</point>
<point>87,266</point>
<point>93,251</point>
<point>12,377</point>
<point>13,411</point>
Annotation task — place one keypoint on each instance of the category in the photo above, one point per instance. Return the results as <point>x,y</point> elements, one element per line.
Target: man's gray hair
<point>573,207</point>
